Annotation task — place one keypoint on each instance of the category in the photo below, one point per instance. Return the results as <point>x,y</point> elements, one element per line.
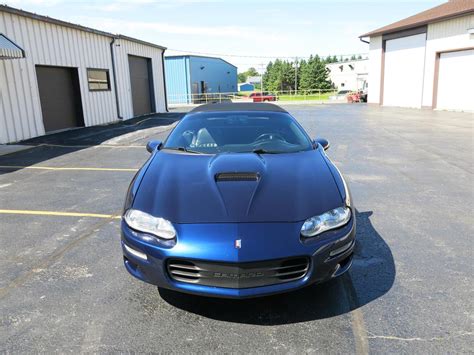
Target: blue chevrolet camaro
<point>238,202</point>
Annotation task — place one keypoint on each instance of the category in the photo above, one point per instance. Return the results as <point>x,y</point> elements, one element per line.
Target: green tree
<point>314,75</point>
<point>311,74</point>
<point>249,72</point>
<point>328,59</point>
<point>252,72</point>
<point>279,76</point>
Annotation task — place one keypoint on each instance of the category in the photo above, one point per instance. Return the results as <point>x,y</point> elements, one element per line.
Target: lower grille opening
<point>238,275</point>
<point>182,270</point>
<point>293,269</point>
<point>345,261</point>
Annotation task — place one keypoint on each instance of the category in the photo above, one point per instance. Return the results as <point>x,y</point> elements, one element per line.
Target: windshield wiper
<point>264,151</point>
<point>183,149</point>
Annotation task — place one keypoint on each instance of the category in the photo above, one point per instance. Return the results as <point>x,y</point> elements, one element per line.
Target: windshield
<point>243,132</point>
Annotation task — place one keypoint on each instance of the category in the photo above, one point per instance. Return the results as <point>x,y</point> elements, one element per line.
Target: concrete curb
<point>9,149</point>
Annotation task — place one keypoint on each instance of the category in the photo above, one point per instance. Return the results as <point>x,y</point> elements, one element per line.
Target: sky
<point>245,32</point>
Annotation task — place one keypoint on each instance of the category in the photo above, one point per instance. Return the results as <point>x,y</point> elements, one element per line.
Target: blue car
<point>238,202</point>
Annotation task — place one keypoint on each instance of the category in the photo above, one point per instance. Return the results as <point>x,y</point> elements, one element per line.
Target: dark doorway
<point>195,93</point>
<point>141,80</point>
<point>60,97</point>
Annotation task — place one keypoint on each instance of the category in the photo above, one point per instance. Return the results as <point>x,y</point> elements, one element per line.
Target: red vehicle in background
<point>358,96</point>
<point>262,96</point>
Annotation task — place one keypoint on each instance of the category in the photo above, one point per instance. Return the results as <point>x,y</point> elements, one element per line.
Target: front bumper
<point>329,256</point>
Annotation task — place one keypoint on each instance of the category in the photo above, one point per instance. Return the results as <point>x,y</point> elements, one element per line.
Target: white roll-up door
<point>403,73</point>
<point>456,81</point>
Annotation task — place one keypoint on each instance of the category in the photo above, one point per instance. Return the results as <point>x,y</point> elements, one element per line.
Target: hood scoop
<point>236,176</point>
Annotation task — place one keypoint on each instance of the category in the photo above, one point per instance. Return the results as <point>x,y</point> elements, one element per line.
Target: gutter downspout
<point>164,79</point>
<point>115,78</point>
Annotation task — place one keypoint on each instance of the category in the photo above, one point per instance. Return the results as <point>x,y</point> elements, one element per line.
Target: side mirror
<point>152,145</point>
<point>323,142</point>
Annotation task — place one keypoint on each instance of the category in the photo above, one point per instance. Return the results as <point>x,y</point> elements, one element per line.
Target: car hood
<point>187,188</point>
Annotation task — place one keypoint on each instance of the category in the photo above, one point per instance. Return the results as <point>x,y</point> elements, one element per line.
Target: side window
<point>98,79</point>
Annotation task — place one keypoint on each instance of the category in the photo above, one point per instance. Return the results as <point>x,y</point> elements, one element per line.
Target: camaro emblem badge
<point>238,244</point>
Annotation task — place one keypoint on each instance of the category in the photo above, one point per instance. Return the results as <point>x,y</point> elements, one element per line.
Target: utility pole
<point>262,68</point>
<point>296,74</point>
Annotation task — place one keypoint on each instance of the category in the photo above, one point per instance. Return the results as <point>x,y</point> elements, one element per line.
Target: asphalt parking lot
<point>63,287</point>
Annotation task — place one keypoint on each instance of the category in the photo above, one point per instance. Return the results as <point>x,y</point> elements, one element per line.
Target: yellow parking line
<point>89,146</point>
<point>64,168</point>
<point>60,214</point>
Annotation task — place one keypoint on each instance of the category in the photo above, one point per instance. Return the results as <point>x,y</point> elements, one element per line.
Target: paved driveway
<point>63,287</point>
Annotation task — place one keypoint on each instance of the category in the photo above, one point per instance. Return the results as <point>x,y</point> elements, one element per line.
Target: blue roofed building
<point>189,78</point>
<point>246,87</point>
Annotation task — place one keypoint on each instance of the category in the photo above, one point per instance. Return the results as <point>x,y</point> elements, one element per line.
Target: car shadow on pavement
<point>54,145</point>
<point>371,276</point>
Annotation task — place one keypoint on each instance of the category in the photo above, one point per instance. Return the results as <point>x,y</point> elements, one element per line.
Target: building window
<point>98,79</point>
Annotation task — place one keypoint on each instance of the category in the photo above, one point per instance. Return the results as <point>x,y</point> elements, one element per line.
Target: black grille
<point>237,177</point>
<point>238,275</point>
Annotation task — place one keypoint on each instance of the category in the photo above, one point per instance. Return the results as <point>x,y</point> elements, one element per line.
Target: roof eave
<point>380,31</point>
<point>139,41</point>
<point>62,23</point>
<point>200,56</point>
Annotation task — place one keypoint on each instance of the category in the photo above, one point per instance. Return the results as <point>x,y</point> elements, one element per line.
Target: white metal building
<point>254,80</point>
<point>349,75</point>
<point>426,60</point>
<point>56,75</point>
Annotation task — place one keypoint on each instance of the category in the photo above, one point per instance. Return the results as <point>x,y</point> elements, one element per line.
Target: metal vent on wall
<point>9,49</point>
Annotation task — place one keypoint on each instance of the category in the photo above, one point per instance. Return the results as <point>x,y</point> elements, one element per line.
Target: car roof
<point>241,106</point>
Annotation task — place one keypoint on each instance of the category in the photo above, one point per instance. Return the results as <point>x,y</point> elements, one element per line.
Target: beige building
<point>426,60</point>
<point>349,75</point>
<point>55,75</point>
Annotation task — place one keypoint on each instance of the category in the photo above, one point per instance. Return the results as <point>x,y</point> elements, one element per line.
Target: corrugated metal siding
<point>219,75</point>
<point>49,44</point>
<point>123,48</point>
<point>177,80</point>
<point>454,27</point>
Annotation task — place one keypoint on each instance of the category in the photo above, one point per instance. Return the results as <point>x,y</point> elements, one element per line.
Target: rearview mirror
<point>323,142</point>
<point>152,145</point>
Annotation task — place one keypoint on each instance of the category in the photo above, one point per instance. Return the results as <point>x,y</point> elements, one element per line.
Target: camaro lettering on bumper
<point>246,275</point>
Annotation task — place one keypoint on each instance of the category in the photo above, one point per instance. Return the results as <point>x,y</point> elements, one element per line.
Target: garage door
<point>456,80</point>
<point>60,97</point>
<point>403,73</point>
<point>142,85</point>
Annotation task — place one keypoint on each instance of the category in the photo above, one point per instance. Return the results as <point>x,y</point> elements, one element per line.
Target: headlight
<point>146,223</point>
<point>330,220</point>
